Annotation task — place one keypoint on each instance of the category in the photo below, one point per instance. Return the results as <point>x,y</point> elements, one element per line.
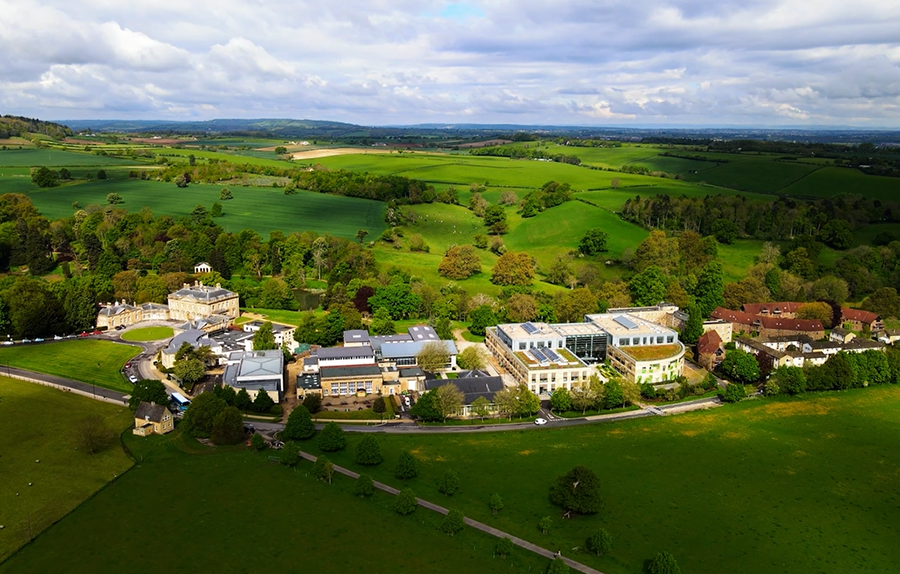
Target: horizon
<point>666,63</point>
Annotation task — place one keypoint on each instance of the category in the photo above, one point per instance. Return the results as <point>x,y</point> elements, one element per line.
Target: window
<point>522,346</point>
<point>670,339</point>
<point>659,340</point>
<point>624,342</point>
<point>540,344</point>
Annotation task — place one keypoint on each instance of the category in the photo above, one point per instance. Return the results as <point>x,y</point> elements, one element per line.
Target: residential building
<point>710,351</point>
<point>723,328</point>
<point>473,384</point>
<point>767,326</point>
<point>784,309</point>
<point>841,335</point>
<point>151,418</point>
<point>859,320</point>
<point>283,334</point>
<point>255,371</point>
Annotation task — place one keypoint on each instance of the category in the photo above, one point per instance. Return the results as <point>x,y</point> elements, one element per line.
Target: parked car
<point>8,343</point>
<point>406,400</point>
<point>39,340</point>
<point>540,421</point>
<point>72,336</point>
<point>97,332</point>
<point>57,338</point>
<point>26,340</point>
<point>84,334</point>
<point>133,379</point>
<point>120,327</point>
<point>249,429</point>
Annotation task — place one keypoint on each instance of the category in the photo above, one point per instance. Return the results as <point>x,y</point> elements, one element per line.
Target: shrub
<point>496,503</point>
<point>453,522</point>
<point>504,547</point>
<point>364,486</point>
<point>600,542</point>
<point>406,502</point>
<point>299,425</point>
<point>332,438</point>
<point>289,454</point>
<point>368,452</point>
<point>449,483</point>
<point>407,467</point>
<point>664,563</point>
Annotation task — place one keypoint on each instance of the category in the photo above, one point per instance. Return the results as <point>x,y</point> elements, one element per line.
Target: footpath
<point>473,523</point>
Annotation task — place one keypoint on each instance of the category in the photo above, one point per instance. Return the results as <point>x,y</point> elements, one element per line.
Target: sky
<point>764,63</point>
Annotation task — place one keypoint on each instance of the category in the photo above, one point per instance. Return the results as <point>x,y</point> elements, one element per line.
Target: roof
<point>867,317</point>
<point>758,346</point>
<point>345,353</point>
<point>791,324</point>
<point>840,331</point>
<point>412,372</point>
<point>738,317</point>
<point>116,309</point>
<point>472,388</point>
<point>150,412</point>
<point>473,374</point>
<point>343,372</point>
<point>308,381</point>
<point>411,349</point>
<point>773,308</point>
<point>356,336</point>
<point>194,337</point>
<point>709,342</point>
<point>864,344</point>
<point>423,333</point>
<point>201,292</point>
<point>262,364</point>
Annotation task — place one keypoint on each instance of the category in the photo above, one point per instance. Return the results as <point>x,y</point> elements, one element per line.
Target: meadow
<point>56,158</point>
<point>286,521</point>
<point>90,361</point>
<point>801,485</point>
<point>36,424</point>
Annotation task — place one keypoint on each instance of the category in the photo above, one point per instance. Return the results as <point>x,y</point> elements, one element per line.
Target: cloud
<point>772,62</point>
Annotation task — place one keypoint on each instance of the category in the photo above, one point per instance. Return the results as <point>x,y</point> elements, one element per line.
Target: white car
<point>540,421</point>
<point>133,379</point>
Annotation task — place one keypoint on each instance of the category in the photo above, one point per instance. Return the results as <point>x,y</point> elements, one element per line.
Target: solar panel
<point>625,322</point>
<point>539,355</point>
<point>530,328</point>
<point>551,354</point>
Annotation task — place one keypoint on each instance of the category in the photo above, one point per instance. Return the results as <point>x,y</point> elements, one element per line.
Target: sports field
<point>89,361</point>
<point>37,424</point>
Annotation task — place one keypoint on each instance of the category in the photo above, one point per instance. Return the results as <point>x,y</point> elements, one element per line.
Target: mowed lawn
<point>804,485</point>
<point>36,424</point>
<point>89,361</point>
<point>234,511</point>
<point>147,334</point>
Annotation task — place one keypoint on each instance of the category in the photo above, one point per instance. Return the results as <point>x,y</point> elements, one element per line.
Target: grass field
<point>89,361</point>
<point>147,334</point>
<point>36,423</point>
<point>831,181</point>
<point>286,522</point>
<point>793,485</point>
<point>56,158</point>
<point>261,209</point>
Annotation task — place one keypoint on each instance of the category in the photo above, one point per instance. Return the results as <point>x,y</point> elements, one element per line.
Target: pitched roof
<point>708,342</point>
<point>791,324</point>
<point>769,309</point>
<point>738,317</point>
<point>150,412</point>
<point>867,317</point>
<point>472,388</point>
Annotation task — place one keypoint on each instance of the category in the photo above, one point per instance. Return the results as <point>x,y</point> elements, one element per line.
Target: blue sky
<point>596,62</point>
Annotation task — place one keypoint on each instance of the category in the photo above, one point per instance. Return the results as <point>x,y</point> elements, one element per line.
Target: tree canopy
<point>577,491</point>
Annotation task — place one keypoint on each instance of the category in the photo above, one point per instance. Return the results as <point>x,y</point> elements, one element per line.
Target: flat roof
<point>412,348</point>
<point>614,325</point>
<point>345,352</point>
<point>536,331</point>
<point>573,329</point>
<point>343,372</point>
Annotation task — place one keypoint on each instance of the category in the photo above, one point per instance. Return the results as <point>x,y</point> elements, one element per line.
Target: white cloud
<point>404,61</point>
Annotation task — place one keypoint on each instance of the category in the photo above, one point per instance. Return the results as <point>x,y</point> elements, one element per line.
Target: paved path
<point>63,384</point>
<point>473,523</point>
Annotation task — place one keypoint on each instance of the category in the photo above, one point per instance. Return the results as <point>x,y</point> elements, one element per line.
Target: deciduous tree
<point>460,262</point>
<point>407,466</point>
<point>450,400</point>
<point>577,491</point>
<point>264,338</point>
<point>453,522</point>
<point>368,451</point>
<point>593,241</point>
<point>227,427</point>
<point>600,542</point>
<point>449,483</point>
<point>433,356</point>
<point>513,269</point>
<point>664,563</point>
<point>472,357</point>
<point>495,503</point>
<point>406,503</point>
<point>299,425</point>
<point>200,414</point>
<point>93,435</point>
<point>332,438</point>
<point>148,391</point>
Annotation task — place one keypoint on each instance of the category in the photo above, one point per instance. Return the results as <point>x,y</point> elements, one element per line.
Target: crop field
<point>36,424</point>
<point>261,209</point>
<point>55,158</point>
<point>802,485</point>
<point>830,181</point>
<point>89,361</point>
<point>308,525</point>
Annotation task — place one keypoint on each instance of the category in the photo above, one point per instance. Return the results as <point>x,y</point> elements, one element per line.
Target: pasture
<point>290,523</point>
<point>36,424</point>
<point>802,485</point>
<point>147,334</point>
<point>55,158</point>
<point>90,361</point>
<point>831,181</point>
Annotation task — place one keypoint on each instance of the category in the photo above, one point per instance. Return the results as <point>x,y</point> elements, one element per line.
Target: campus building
<point>214,306</point>
<point>546,357</point>
<point>255,371</point>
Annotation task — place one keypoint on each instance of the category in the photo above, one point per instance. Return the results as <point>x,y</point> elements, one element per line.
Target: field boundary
<point>14,373</point>
<point>470,522</point>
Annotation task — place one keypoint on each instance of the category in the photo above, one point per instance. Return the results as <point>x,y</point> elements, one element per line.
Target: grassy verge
<point>37,424</point>
<point>591,413</point>
<point>89,361</point>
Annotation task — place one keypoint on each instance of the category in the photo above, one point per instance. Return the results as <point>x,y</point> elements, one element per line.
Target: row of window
<point>659,340</point>
<point>523,346</point>
<point>348,388</point>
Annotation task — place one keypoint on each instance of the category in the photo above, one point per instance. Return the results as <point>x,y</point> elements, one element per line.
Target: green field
<point>831,181</point>
<point>802,485</point>
<point>89,361</point>
<point>250,515</point>
<point>56,158</point>
<point>261,209</point>
<point>36,424</point>
<point>147,334</point>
